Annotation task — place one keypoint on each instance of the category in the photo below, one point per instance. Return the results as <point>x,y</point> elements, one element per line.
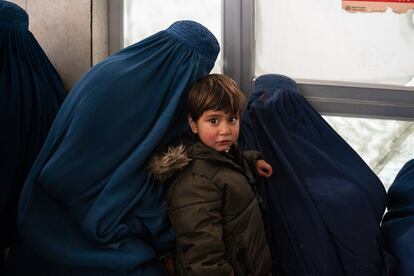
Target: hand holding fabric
<point>263,168</point>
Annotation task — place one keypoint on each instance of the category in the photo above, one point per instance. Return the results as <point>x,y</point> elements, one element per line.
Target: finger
<point>270,170</point>
<point>261,172</point>
<point>266,172</point>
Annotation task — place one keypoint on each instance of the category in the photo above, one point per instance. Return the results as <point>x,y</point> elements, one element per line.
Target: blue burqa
<point>398,222</point>
<point>89,205</point>
<point>31,92</point>
<point>323,205</point>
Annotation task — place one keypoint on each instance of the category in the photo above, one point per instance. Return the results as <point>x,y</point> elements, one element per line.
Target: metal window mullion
<point>239,42</point>
<point>357,101</point>
<point>248,44</point>
<point>116,25</point>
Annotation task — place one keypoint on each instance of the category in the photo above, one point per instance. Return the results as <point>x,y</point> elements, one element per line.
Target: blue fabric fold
<point>31,92</point>
<point>398,222</point>
<point>89,201</point>
<point>323,205</point>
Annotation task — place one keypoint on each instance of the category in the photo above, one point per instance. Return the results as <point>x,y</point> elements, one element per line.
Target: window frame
<point>116,25</point>
<point>328,97</point>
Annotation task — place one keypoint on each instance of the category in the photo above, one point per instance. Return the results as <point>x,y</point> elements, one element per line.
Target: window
<point>145,17</point>
<point>385,145</point>
<point>318,40</point>
<point>355,69</point>
<point>348,64</point>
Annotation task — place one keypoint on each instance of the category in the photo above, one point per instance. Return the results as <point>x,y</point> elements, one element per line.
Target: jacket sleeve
<point>251,157</point>
<point>196,217</point>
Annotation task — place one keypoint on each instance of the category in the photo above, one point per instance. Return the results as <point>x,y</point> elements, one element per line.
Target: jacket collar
<point>231,159</point>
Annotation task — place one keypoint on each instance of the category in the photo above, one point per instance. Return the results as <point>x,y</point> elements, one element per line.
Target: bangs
<point>222,98</point>
<point>215,92</point>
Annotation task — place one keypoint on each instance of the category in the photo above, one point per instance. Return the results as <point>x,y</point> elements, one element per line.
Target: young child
<point>212,204</point>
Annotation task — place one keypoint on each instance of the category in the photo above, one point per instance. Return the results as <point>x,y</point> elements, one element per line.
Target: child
<point>212,204</point>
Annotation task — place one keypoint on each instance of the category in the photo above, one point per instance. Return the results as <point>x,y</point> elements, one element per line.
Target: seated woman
<point>31,92</point>
<point>322,205</point>
<point>89,206</point>
<point>398,222</point>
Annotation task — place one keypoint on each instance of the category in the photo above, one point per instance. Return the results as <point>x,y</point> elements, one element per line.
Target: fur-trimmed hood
<point>164,165</point>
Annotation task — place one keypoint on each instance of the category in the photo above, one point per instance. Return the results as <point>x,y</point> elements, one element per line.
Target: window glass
<point>145,17</point>
<point>385,145</point>
<point>318,40</point>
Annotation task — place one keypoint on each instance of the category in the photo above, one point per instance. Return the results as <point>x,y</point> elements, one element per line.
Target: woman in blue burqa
<point>89,205</point>
<point>323,205</point>
<point>31,92</point>
<point>398,222</point>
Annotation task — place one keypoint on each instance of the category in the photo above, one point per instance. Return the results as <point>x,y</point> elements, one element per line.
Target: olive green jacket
<point>215,213</point>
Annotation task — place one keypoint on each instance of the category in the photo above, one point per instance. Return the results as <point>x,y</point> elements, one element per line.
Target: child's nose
<point>225,129</point>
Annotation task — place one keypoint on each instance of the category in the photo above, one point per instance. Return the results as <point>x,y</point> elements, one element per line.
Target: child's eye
<point>213,121</point>
<point>233,119</point>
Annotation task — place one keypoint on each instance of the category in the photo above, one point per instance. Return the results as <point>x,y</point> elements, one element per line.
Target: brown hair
<point>214,92</point>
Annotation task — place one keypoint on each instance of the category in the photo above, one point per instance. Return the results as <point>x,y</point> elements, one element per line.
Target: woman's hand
<point>263,168</point>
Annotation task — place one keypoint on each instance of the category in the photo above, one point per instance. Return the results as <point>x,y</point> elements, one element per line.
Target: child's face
<point>217,129</point>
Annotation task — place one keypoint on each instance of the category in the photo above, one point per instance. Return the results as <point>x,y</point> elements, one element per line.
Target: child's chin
<point>223,149</point>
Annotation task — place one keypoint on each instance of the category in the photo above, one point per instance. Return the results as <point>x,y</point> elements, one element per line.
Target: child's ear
<point>193,125</point>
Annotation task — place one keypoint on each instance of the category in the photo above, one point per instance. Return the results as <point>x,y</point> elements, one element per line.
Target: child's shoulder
<point>180,159</point>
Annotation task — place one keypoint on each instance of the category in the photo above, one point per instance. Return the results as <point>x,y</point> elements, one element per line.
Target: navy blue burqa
<point>89,206</point>
<point>31,92</point>
<point>323,205</point>
<point>398,222</point>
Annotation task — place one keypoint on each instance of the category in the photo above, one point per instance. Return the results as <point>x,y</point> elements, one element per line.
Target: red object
<point>384,1</point>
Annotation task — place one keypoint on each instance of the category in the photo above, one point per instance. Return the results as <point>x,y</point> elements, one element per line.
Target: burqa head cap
<point>195,36</point>
<point>273,82</point>
<point>13,15</point>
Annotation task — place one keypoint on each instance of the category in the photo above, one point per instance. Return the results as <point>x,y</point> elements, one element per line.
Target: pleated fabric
<point>323,205</point>
<point>31,92</point>
<point>398,222</point>
<point>89,205</point>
